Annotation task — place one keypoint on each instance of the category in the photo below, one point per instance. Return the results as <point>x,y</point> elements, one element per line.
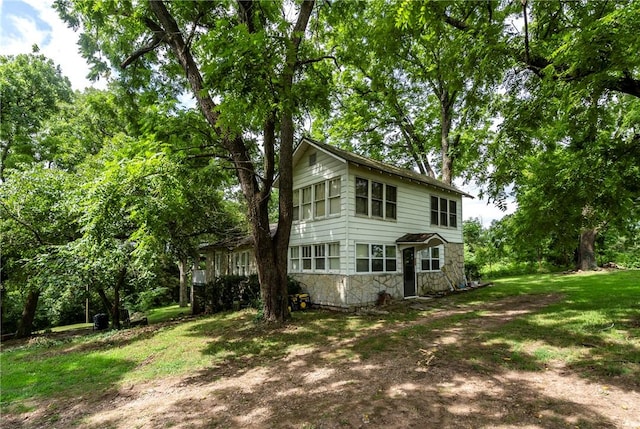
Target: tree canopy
<point>31,89</point>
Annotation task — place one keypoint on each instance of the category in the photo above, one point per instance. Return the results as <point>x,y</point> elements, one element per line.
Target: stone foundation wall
<point>337,290</point>
<point>324,289</point>
<point>364,288</point>
<point>453,266</point>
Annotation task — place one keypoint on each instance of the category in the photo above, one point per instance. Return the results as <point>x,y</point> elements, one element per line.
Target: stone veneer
<point>339,290</point>
<point>454,266</point>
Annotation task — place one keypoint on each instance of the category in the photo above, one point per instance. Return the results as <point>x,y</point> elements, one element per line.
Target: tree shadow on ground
<point>440,364</point>
<point>448,369</point>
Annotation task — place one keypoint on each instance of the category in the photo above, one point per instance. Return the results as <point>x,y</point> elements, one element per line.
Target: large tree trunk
<point>586,250</point>
<point>448,147</point>
<point>271,252</point>
<point>184,281</point>
<point>28,314</point>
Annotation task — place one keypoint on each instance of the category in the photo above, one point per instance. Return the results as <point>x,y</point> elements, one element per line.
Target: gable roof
<point>361,161</point>
<point>432,238</point>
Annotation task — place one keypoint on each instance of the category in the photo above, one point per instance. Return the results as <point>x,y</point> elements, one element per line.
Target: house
<point>362,227</point>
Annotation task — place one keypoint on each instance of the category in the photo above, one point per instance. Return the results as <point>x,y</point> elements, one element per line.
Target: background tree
<point>247,67</point>
<point>31,88</point>
<point>36,223</point>
<point>412,87</point>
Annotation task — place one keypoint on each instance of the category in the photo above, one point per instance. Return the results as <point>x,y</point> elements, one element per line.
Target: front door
<point>409,270</point>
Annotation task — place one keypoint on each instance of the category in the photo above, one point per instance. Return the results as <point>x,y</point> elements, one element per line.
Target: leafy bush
<point>293,286</point>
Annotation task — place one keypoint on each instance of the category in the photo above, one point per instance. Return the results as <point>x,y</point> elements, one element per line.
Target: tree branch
<point>156,40</point>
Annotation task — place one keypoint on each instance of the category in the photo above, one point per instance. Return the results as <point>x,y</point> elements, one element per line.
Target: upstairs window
<point>334,196</point>
<point>362,196</point>
<point>444,212</point>
<point>317,201</point>
<point>306,202</point>
<point>376,198</point>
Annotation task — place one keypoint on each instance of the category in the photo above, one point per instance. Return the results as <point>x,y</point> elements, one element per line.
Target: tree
<point>591,45</point>
<point>580,176</point>
<point>31,88</point>
<point>411,87</point>
<point>35,224</point>
<point>247,67</point>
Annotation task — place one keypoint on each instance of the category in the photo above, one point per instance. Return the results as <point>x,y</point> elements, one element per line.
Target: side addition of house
<point>362,227</point>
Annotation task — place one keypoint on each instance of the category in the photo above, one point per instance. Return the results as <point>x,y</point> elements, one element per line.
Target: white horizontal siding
<point>413,215</point>
<point>413,210</point>
<point>326,167</point>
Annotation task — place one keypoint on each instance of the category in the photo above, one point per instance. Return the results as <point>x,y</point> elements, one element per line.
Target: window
<point>306,202</point>
<point>444,212</point>
<point>312,159</point>
<point>319,257</point>
<point>334,196</point>
<point>319,252</point>
<point>430,259</point>
<point>294,259</point>
<point>362,196</point>
<point>296,204</point>
<point>319,200</point>
<point>306,257</point>
<point>434,210</point>
<point>375,258</point>
<point>334,256</point>
<point>240,263</point>
<point>453,214</point>
<point>391,208</point>
<point>378,197</point>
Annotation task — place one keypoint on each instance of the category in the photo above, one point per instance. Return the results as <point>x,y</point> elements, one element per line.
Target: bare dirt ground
<point>421,386</point>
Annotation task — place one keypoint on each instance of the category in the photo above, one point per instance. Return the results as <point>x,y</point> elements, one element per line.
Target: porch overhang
<point>428,239</point>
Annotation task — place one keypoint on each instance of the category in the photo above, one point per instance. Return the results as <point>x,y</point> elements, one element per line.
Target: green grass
<point>594,328</point>
<point>162,314</point>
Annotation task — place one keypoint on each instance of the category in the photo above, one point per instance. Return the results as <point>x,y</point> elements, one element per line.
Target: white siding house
<point>362,227</point>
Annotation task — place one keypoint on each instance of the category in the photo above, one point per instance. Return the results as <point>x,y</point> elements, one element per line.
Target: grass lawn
<point>592,325</point>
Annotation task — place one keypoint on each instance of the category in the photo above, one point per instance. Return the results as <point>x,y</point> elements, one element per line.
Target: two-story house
<point>362,227</point>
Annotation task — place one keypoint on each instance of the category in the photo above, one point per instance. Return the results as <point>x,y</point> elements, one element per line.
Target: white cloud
<point>30,35</point>
<point>481,208</point>
<point>58,42</point>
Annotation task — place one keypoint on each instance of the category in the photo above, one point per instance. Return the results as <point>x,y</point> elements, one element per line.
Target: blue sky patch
<point>16,8</point>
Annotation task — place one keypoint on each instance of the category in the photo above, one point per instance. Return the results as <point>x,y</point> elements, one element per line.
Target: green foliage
<point>31,89</point>
<point>36,224</point>
<point>411,87</point>
<point>232,291</point>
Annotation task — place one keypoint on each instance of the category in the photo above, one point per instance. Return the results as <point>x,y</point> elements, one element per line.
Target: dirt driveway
<point>420,382</point>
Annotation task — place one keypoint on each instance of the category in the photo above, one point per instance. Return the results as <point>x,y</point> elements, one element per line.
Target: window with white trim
<point>371,258</point>
<point>240,265</point>
<point>375,199</point>
<point>333,256</point>
<point>317,201</point>
<point>320,196</point>
<point>444,212</point>
<point>334,196</point>
<point>306,202</point>
<point>306,257</point>
<point>294,259</point>
<point>318,257</point>
<point>431,259</point>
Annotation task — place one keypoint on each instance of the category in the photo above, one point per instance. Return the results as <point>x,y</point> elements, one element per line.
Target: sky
<point>24,23</point>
